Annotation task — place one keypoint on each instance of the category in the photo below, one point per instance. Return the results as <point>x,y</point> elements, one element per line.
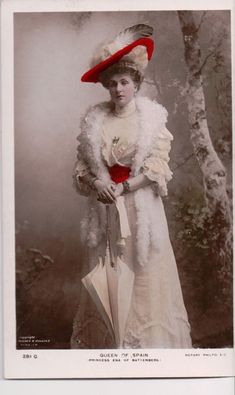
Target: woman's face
<point>122,89</point>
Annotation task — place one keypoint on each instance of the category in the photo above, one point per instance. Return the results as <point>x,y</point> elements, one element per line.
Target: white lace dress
<point>157,316</point>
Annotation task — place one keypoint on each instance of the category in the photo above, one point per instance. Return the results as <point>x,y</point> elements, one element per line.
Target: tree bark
<point>213,171</point>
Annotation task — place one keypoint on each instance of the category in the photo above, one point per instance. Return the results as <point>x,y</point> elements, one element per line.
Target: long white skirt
<point>157,316</point>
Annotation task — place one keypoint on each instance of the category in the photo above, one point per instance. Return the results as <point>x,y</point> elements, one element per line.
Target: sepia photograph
<point>122,184</point>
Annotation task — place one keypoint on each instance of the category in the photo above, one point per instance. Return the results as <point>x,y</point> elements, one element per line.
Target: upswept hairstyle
<point>121,68</point>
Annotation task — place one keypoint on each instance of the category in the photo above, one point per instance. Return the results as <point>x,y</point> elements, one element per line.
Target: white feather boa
<point>152,120</point>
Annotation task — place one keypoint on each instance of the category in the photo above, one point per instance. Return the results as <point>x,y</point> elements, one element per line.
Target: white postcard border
<point>75,363</point>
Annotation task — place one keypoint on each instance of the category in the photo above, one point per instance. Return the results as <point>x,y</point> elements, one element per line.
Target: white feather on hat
<point>137,55</point>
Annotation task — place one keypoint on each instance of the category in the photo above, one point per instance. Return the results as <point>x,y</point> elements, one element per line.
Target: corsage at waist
<point>119,173</point>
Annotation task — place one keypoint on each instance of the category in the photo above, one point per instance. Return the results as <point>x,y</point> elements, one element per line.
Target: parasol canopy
<point>110,283</point>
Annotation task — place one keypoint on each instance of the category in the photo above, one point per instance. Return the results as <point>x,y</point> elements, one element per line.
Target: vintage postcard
<point>117,189</point>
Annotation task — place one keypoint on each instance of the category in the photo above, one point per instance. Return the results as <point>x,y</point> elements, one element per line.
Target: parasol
<point>110,283</point>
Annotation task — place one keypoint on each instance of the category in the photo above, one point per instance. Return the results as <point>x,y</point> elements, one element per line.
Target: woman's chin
<point>121,102</point>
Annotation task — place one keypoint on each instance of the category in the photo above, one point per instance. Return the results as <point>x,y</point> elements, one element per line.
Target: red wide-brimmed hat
<point>132,45</point>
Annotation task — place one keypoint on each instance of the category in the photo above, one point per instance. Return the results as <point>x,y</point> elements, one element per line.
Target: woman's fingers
<point>107,197</point>
<point>104,200</point>
<point>111,191</point>
<point>108,194</point>
<point>110,197</point>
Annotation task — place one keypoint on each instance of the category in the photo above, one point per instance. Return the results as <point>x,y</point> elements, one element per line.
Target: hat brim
<point>92,75</point>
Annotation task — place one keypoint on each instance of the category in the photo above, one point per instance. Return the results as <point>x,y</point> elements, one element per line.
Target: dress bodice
<point>119,135</point>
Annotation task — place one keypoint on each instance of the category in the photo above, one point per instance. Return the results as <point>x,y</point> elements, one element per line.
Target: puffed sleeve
<point>155,166</point>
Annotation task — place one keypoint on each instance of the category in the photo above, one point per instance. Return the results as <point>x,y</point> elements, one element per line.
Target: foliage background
<point>52,50</point>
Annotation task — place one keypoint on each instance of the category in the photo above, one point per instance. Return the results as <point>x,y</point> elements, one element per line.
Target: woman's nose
<point>119,87</point>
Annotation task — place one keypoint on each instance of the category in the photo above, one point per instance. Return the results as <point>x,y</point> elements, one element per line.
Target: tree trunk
<point>213,171</point>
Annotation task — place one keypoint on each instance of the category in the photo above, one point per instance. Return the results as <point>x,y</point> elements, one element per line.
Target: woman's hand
<point>118,189</point>
<point>106,192</point>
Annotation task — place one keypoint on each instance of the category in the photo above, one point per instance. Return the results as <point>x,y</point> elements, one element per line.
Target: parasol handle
<point>124,226</point>
<point>109,250</point>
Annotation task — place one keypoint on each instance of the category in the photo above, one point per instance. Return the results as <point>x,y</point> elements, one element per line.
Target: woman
<point>122,168</point>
